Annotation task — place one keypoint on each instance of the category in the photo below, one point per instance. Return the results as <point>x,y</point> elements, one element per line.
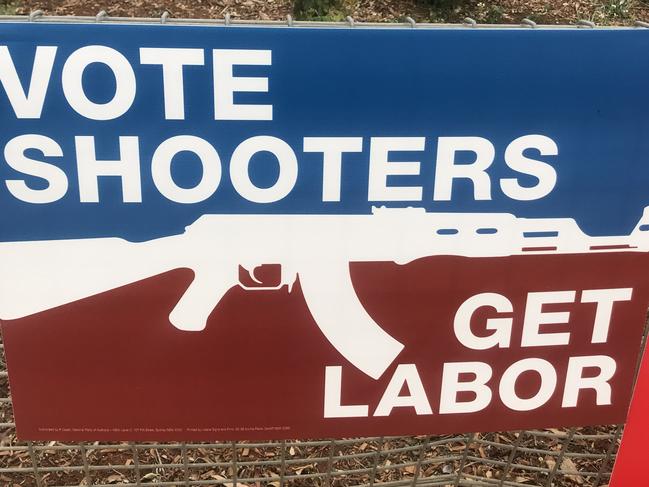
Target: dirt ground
<point>608,12</point>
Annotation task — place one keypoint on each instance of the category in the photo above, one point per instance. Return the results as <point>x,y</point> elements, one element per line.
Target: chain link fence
<point>227,21</point>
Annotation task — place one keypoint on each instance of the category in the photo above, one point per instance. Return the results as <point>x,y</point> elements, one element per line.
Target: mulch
<point>607,12</point>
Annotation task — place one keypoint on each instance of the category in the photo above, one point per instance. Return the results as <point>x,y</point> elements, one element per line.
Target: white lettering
<point>535,317</point>
<point>72,79</point>
<point>240,165</point>
<point>446,170</point>
<point>605,298</point>
<point>127,168</point>
<point>57,181</point>
<point>502,326</point>
<point>28,105</point>
<point>545,173</point>
<point>507,388</point>
<point>226,84</point>
<point>451,385</point>
<point>575,381</point>
<point>332,397</point>
<point>161,169</point>
<point>172,61</point>
<point>404,374</point>
<point>332,149</point>
<point>381,167</point>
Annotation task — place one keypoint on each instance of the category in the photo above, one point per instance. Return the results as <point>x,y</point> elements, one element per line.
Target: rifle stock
<point>40,275</point>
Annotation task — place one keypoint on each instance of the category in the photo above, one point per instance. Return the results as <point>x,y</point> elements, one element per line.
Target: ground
<point>607,12</point>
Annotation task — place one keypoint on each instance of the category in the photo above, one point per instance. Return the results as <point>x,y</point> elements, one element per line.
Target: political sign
<point>635,431</point>
<point>264,232</point>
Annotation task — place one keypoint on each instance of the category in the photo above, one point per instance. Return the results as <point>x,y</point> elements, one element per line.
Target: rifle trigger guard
<point>262,288</point>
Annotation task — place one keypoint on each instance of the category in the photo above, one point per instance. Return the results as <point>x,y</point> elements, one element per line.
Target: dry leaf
<point>114,478</point>
<point>149,476</point>
<point>567,465</point>
<point>227,483</point>
<point>211,474</point>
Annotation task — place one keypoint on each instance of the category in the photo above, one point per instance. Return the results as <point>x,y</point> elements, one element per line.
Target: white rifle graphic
<point>40,275</point>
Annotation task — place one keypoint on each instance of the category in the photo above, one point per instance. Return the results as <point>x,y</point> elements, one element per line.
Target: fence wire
<point>408,22</point>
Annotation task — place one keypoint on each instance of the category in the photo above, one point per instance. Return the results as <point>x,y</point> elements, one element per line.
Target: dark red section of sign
<point>112,367</point>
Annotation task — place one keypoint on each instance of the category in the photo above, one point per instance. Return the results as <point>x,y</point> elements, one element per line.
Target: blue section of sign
<point>585,89</point>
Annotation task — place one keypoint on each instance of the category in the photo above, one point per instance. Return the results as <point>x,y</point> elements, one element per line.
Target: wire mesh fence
<point>573,457</point>
<point>226,21</point>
